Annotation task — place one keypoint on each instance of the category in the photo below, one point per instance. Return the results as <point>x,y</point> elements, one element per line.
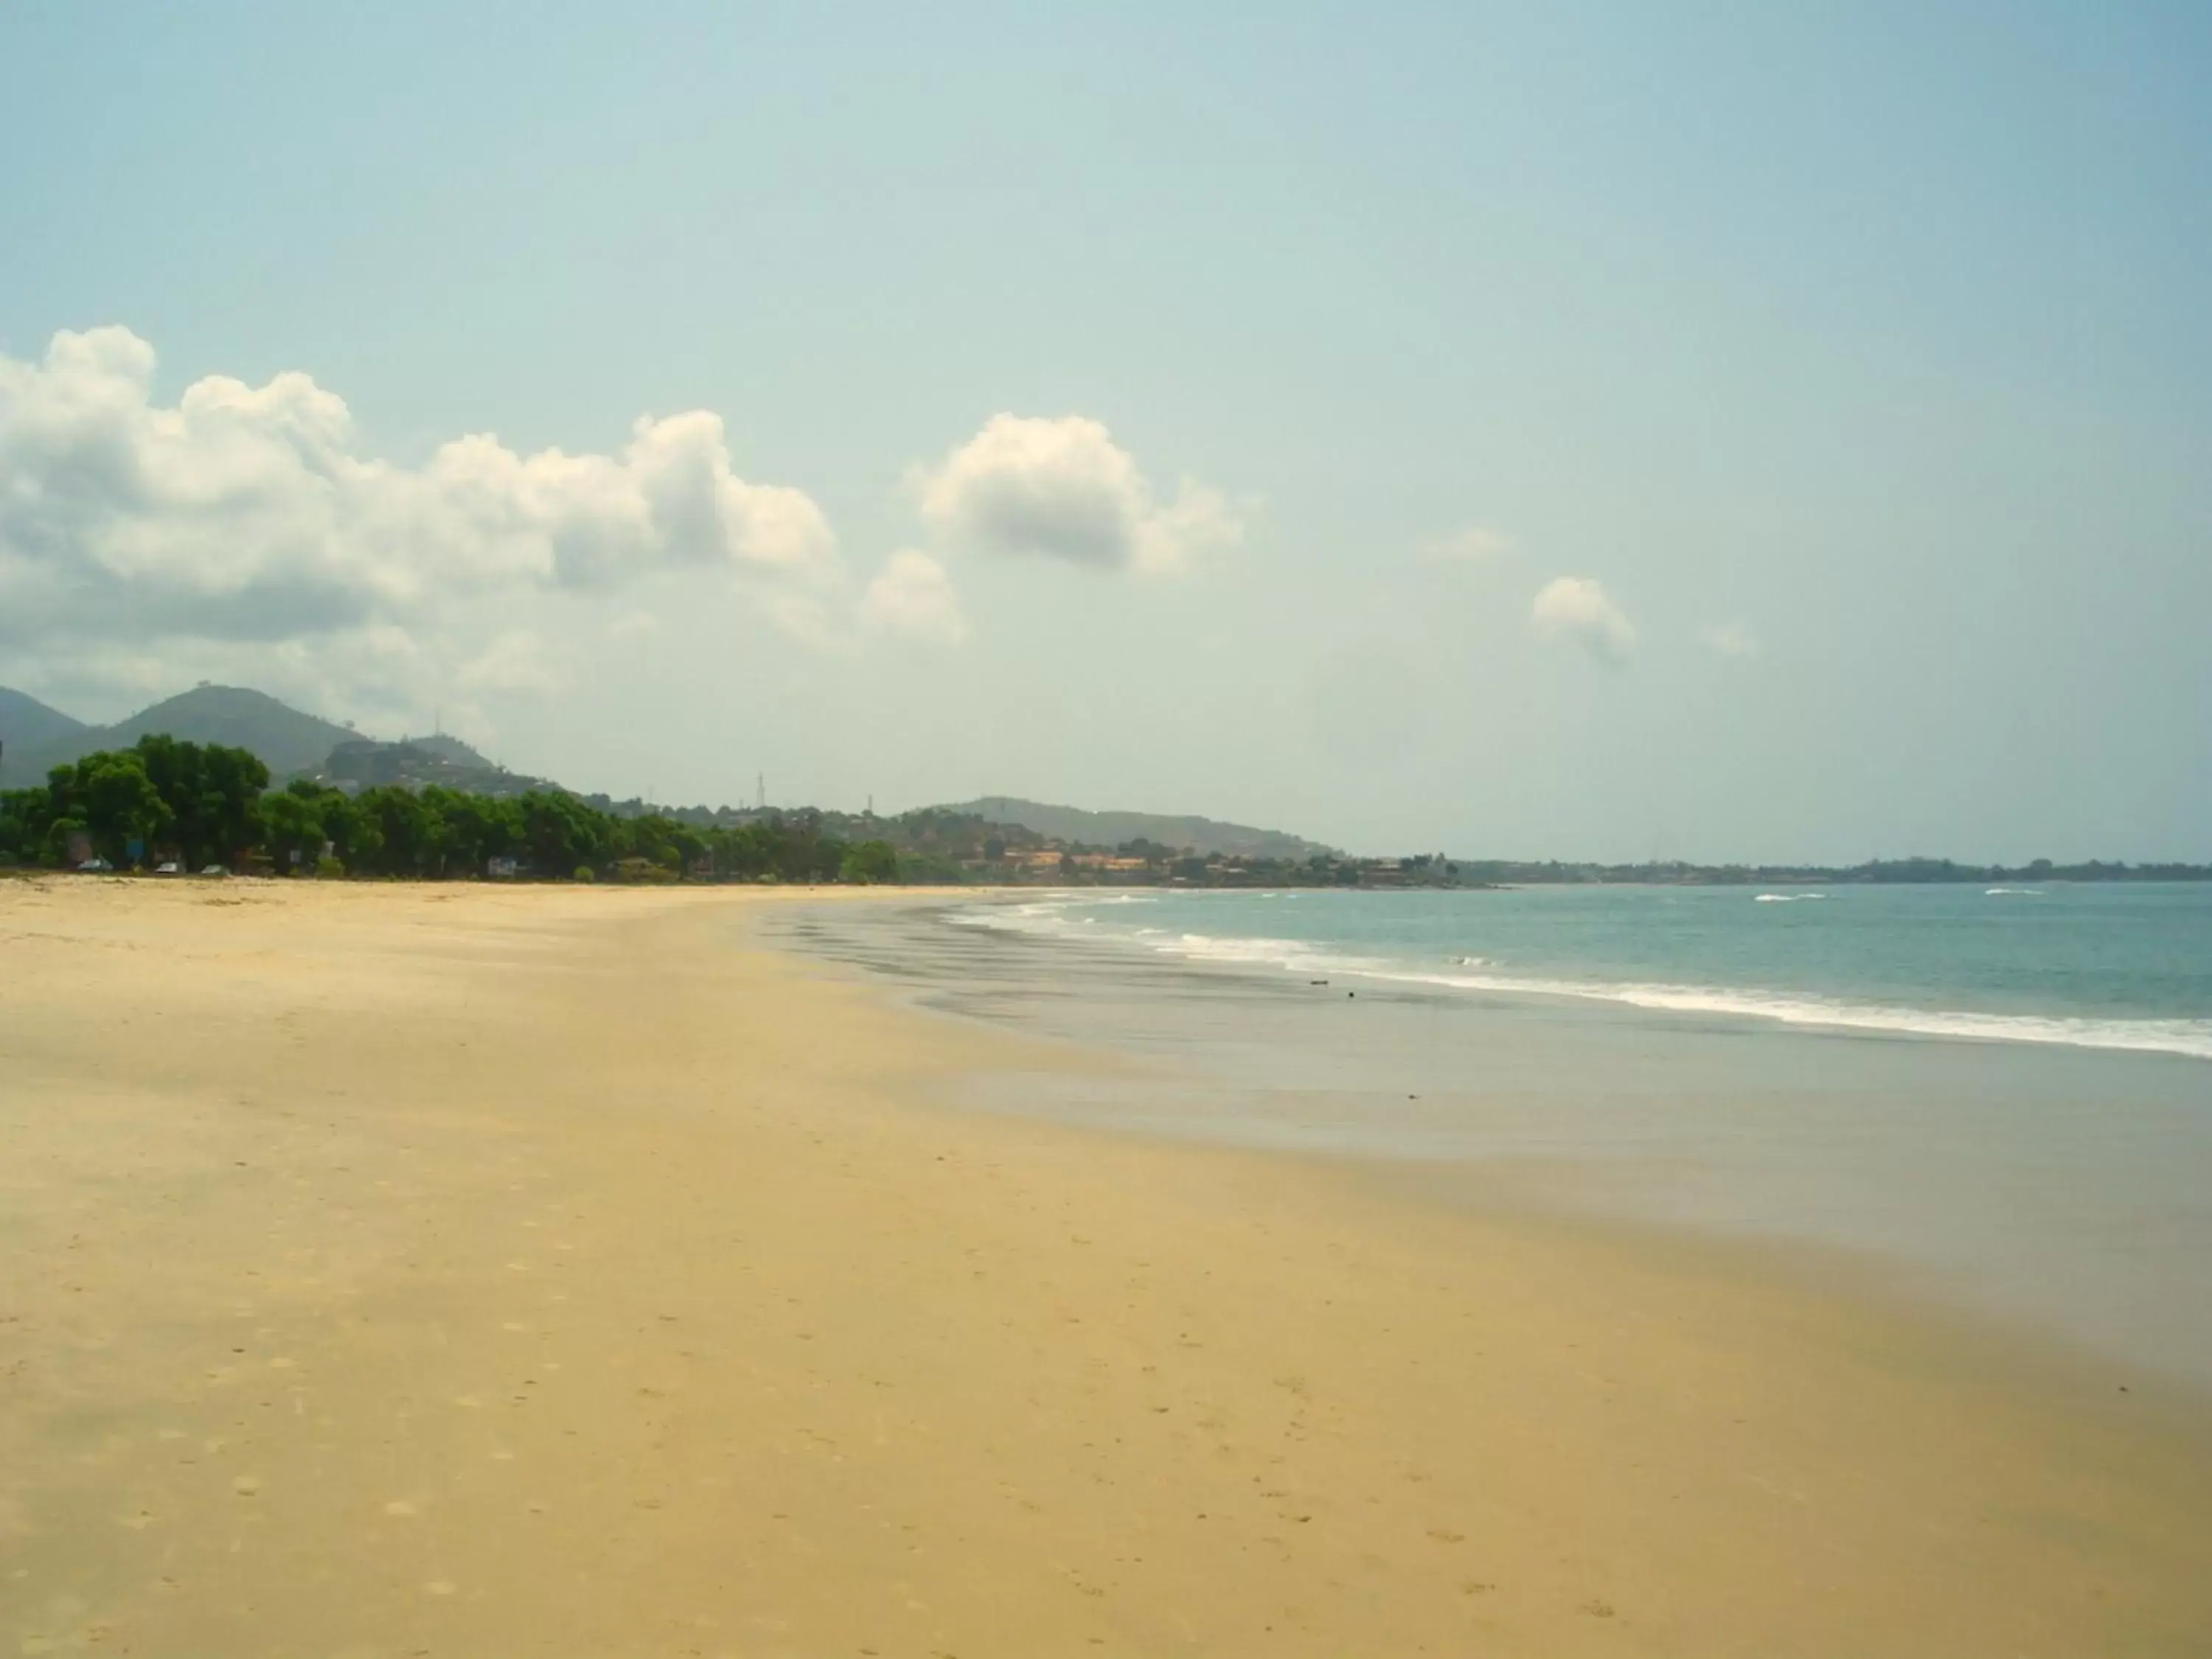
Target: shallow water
<point>2066,1187</point>
<point>2114,965</point>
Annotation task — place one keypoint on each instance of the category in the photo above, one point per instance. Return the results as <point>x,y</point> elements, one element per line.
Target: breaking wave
<point>1050,917</point>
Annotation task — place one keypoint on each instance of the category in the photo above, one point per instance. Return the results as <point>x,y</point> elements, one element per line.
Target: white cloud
<point>516,660</point>
<point>1476,544</point>
<point>249,514</point>
<point>634,625</point>
<point>1577,609</point>
<point>913,595</point>
<point>1062,487</point>
<point>1733,639</point>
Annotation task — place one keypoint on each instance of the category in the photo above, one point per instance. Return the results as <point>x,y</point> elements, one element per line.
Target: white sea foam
<point>1786,898</point>
<point>2192,1037</point>
<point>2015,892</point>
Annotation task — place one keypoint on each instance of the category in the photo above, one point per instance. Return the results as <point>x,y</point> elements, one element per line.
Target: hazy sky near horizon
<point>1709,432</point>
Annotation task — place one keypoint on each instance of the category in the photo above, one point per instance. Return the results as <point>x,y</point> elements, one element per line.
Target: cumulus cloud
<point>1733,639</point>
<point>1576,609</point>
<point>1476,544</point>
<point>251,515</point>
<point>1062,487</point>
<point>913,595</point>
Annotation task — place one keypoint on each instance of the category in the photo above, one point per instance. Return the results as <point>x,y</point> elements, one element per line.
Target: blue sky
<point>1600,431</point>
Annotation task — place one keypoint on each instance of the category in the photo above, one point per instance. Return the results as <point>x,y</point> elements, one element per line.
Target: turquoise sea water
<point>2002,1099</point>
<point>2107,966</point>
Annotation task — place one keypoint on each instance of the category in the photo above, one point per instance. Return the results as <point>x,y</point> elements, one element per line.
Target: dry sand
<point>486,1271</point>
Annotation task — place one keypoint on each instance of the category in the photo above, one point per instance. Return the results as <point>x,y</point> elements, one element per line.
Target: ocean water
<point>2001,1101</point>
<point>2102,966</point>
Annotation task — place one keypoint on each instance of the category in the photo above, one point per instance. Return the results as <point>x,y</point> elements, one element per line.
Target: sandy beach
<point>391,1270</point>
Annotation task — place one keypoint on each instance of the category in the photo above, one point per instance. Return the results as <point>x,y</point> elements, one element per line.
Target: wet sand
<point>474,1271</point>
<point>2065,1191</point>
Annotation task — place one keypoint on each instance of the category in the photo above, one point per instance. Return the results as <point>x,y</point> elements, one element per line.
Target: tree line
<point>167,800</point>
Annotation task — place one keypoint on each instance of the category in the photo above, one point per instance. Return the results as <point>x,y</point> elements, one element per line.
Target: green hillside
<point>1072,823</point>
<point>286,740</point>
<point>449,748</point>
<point>29,727</point>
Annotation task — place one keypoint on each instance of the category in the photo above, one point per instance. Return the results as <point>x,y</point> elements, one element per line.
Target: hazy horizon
<point>1580,434</point>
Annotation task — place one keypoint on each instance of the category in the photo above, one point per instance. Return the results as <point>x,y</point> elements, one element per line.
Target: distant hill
<point>418,762</point>
<point>29,727</point>
<point>1072,823</point>
<point>286,740</point>
<point>449,749</point>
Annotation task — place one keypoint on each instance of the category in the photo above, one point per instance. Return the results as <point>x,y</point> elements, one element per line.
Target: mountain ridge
<point>1113,828</point>
<point>35,737</point>
<point>286,740</point>
<point>27,725</point>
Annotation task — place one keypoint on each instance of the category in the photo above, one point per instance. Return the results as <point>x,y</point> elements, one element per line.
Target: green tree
<point>747,852</point>
<point>651,837</point>
<point>60,833</point>
<point>474,830</point>
<point>25,816</point>
<point>409,830</point>
<point>559,832</point>
<point>870,862</point>
<point>117,802</point>
<point>355,835</point>
<point>291,824</point>
<point>213,795</point>
<point>689,845</point>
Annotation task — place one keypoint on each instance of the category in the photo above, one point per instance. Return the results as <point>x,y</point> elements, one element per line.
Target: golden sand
<point>482,1272</point>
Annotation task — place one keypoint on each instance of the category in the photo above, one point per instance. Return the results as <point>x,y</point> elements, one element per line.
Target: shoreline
<point>1816,1011</point>
<point>1554,1196</point>
<point>1991,1181</point>
<point>785,1354</point>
